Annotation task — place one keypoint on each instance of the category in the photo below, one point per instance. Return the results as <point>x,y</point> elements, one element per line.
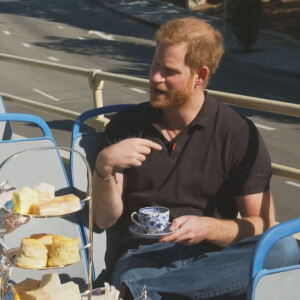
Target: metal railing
<point>96,80</point>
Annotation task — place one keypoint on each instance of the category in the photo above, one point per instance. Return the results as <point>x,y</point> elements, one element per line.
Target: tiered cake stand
<point>10,221</point>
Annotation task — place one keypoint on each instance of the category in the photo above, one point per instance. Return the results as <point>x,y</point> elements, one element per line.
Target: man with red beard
<point>186,151</point>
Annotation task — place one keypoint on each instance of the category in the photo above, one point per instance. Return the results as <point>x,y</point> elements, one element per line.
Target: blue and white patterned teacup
<point>152,218</point>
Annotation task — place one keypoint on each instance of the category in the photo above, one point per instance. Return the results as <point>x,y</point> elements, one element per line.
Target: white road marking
<point>26,45</point>
<point>53,58</point>
<point>264,127</point>
<point>6,32</point>
<point>102,35</point>
<point>46,95</point>
<point>60,27</point>
<point>293,183</point>
<point>138,90</point>
<point>81,38</point>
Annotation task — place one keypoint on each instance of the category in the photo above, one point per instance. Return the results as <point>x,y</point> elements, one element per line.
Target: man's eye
<point>170,72</point>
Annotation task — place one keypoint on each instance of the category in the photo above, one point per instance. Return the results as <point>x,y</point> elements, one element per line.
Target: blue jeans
<point>175,271</point>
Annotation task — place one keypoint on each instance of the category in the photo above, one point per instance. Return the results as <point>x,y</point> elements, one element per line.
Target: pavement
<point>273,51</point>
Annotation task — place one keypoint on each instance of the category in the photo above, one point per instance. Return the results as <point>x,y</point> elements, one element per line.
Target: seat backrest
<point>276,284</point>
<point>89,144</point>
<point>5,129</point>
<point>28,168</point>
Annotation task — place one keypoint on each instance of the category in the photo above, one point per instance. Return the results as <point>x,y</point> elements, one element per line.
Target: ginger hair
<point>204,43</point>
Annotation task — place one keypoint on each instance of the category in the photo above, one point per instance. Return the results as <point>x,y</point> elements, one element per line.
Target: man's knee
<point>285,252</point>
<point>126,268</point>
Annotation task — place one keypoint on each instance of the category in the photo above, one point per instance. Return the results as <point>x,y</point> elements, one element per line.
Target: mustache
<point>159,87</point>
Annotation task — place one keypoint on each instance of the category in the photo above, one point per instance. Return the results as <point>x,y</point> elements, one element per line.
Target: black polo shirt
<point>219,156</point>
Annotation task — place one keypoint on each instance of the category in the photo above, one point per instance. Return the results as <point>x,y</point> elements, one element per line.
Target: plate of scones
<point>44,251</point>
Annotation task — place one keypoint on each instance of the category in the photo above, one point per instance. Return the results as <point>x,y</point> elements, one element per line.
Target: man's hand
<point>257,211</point>
<point>191,230</point>
<point>124,154</point>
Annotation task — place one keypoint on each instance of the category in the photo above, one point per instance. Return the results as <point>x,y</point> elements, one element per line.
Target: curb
<point>143,21</point>
<point>254,66</point>
<point>287,73</point>
<point>128,15</point>
<point>282,36</point>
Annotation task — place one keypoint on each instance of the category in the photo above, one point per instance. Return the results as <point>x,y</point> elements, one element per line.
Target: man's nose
<point>156,76</point>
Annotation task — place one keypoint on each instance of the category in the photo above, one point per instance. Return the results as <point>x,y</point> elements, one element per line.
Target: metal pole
<point>97,86</point>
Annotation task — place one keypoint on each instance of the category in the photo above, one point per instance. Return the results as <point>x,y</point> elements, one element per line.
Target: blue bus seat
<point>27,169</point>
<point>89,144</point>
<point>5,129</point>
<point>276,284</point>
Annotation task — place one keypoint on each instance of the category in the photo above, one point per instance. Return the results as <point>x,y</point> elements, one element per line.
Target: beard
<point>161,97</point>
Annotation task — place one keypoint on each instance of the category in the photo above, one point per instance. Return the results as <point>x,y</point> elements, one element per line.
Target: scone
<point>63,251</point>
<point>45,238</point>
<point>32,254</point>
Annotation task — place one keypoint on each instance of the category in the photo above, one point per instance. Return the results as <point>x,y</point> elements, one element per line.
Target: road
<point>82,34</point>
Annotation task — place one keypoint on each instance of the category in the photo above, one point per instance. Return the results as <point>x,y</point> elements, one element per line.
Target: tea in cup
<point>152,218</point>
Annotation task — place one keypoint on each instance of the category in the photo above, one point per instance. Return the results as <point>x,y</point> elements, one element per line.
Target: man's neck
<point>178,118</point>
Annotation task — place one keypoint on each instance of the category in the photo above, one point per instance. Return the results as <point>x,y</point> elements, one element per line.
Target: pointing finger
<point>151,144</point>
<point>154,146</point>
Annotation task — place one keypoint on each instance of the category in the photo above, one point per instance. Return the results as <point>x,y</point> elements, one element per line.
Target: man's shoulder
<point>229,123</point>
<point>130,120</point>
<point>227,116</point>
<point>135,111</point>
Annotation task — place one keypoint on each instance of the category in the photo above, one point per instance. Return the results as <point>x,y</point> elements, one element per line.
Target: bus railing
<point>96,79</point>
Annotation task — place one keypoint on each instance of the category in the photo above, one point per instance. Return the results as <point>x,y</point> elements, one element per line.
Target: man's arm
<point>107,200</point>
<point>110,163</point>
<point>257,215</point>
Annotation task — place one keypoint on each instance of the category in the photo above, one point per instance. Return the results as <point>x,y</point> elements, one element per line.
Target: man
<point>188,152</point>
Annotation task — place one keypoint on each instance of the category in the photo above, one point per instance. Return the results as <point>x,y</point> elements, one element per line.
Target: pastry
<point>49,288</point>
<point>23,199</point>
<point>32,254</point>
<point>50,282</point>
<point>63,251</point>
<point>19,289</point>
<point>42,250</point>
<point>45,238</point>
<point>66,291</point>
<point>41,201</point>
<point>47,209</point>
<point>57,206</point>
<point>69,202</point>
<point>46,192</point>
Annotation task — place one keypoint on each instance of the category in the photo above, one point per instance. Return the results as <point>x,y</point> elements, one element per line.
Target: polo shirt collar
<point>206,113</point>
<point>203,118</point>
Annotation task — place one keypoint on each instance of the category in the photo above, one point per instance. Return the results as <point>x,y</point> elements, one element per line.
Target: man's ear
<point>202,76</point>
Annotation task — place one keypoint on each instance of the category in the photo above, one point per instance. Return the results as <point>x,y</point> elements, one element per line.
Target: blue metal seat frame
<point>89,144</point>
<point>281,283</point>
<point>40,166</point>
<point>5,129</point>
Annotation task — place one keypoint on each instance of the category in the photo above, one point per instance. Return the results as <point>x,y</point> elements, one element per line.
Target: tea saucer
<point>141,232</point>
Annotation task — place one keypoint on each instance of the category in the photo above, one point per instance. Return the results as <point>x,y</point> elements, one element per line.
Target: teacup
<point>152,218</point>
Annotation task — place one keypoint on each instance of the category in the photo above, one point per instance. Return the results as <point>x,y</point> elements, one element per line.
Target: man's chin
<point>158,103</point>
